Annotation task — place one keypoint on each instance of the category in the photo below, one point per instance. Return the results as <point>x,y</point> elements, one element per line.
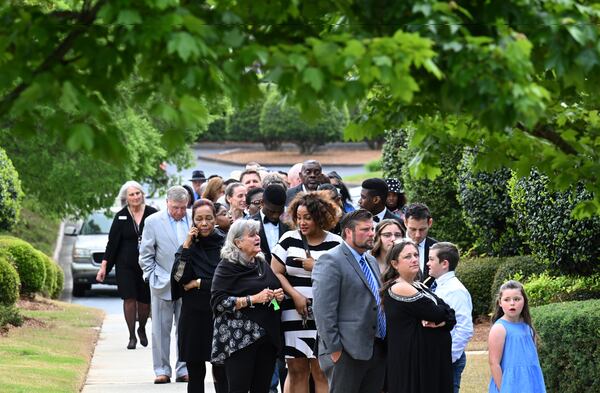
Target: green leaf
<point>354,48</point>
<point>193,111</point>
<point>382,61</point>
<point>234,38</point>
<point>314,77</point>
<point>69,98</point>
<point>129,17</point>
<point>184,44</point>
<point>81,137</point>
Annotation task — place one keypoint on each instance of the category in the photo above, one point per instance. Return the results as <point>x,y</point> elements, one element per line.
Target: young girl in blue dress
<point>513,357</point>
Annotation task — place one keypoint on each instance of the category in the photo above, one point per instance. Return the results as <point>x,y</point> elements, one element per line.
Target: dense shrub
<point>9,282</point>
<point>29,265</point>
<point>9,315</point>
<point>396,141</point>
<point>60,281</point>
<point>50,279</point>
<point>570,246</point>
<point>519,268</point>
<point>283,122</point>
<point>477,275</point>
<point>374,166</point>
<point>544,288</point>
<point>569,350</point>
<point>10,193</point>
<point>487,210</point>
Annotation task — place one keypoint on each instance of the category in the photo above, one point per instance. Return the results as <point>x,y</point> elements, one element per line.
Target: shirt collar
<point>445,278</point>
<point>355,254</point>
<point>172,220</point>
<point>381,214</point>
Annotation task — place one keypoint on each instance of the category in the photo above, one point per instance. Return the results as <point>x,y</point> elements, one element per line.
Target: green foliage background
<point>10,193</point>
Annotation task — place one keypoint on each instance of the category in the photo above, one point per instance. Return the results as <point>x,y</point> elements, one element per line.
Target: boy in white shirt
<point>443,259</point>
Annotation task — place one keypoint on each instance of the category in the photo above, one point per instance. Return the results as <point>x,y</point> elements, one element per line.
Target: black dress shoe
<point>132,342</point>
<point>143,337</point>
<point>183,378</point>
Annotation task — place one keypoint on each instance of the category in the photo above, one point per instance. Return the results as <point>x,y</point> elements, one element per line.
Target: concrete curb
<point>230,162</point>
<point>59,240</point>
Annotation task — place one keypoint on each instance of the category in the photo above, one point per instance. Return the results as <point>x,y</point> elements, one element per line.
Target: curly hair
<point>322,209</point>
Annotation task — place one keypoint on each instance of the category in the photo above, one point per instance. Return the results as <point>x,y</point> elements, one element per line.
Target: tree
<point>518,75</point>
<point>244,125</point>
<point>283,122</point>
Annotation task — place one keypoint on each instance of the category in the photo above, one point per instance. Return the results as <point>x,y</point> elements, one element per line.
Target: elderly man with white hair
<point>165,231</point>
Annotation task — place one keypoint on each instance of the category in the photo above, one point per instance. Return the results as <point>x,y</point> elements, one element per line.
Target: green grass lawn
<point>476,376</point>
<point>358,178</point>
<point>51,356</point>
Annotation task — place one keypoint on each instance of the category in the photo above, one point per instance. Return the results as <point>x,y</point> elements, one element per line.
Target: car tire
<point>79,289</point>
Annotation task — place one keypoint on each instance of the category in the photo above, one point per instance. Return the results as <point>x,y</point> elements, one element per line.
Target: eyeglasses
<point>387,235</point>
<point>257,202</point>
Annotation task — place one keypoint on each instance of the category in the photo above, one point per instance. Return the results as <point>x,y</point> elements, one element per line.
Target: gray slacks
<point>165,313</point>
<point>349,375</point>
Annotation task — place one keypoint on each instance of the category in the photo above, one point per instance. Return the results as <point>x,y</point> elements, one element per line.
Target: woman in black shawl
<point>191,279</point>
<point>245,301</point>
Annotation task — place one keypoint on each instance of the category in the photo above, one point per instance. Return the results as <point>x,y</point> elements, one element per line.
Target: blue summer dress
<point>521,371</point>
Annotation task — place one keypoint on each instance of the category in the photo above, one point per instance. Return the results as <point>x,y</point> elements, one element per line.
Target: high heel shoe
<point>143,338</point>
<point>132,343</point>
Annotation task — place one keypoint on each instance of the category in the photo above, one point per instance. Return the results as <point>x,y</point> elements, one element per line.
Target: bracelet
<point>198,281</point>
<point>249,301</point>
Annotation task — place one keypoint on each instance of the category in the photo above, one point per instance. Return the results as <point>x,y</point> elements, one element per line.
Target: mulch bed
<point>329,157</point>
<point>37,304</point>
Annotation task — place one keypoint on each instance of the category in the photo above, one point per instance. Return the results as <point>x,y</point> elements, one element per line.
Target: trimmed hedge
<point>544,288</point>
<point>477,275</point>
<point>9,282</point>
<point>10,315</point>
<point>60,281</point>
<point>29,265</point>
<point>11,194</point>
<point>524,267</point>
<point>569,351</point>
<point>50,278</point>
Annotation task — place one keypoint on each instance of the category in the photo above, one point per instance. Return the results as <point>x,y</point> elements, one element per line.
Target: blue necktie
<point>433,286</point>
<point>374,287</point>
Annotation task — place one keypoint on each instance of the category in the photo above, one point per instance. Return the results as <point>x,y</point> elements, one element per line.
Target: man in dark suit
<point>271,228</point>
<point>347,309</point>
<point>309,175</point>
<point>417,220</point>
<point>372,198</point>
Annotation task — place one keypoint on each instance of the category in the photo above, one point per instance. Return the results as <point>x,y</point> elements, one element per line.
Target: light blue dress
<point>521,371</point>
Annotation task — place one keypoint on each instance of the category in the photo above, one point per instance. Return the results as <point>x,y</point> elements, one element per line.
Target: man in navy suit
<point>417,220</point>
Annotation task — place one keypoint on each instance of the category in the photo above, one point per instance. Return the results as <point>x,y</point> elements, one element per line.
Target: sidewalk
<point>116,369</point>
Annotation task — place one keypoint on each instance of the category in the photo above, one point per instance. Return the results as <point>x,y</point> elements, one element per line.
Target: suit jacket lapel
<point>352,261</point>
<point>169,228</point>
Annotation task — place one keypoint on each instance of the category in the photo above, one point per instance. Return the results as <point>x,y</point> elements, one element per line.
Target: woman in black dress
<point>245,298</point>
<point>418,323</point>
<point>122,251</point>
<point>191,279</point>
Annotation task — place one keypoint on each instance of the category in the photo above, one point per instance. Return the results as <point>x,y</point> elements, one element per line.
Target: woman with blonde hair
<point>214,189</point>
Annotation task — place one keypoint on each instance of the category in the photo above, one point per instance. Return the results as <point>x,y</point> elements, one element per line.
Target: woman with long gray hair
<point>122,252</point>
<point>245,298</point>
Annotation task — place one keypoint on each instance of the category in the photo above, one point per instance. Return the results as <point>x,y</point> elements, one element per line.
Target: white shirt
<point>453,292</point>
<point>380,215</point>
<point>271,232</point>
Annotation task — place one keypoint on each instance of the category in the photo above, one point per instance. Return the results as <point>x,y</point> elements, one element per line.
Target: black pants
<point>250,369</point>
<point>197,372</point>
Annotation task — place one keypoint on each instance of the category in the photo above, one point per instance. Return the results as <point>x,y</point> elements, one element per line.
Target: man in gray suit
<point>163,233</point>
<point>347,310</point>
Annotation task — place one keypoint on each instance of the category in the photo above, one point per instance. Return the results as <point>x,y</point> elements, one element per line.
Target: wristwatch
<point>249,301</point>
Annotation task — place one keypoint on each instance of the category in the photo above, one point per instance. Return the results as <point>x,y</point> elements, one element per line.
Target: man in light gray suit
<point>347,310</point>
<point>163,233</point>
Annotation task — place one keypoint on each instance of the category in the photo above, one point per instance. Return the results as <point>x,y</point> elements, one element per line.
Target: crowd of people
<point>280,282</point>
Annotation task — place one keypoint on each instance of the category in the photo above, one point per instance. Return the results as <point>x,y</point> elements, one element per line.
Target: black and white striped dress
<point>300,339</point>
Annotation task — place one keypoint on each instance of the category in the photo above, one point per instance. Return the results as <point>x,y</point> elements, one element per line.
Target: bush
<point>569,351</point>
<point>282,122</point>
<point>487,210</point>
<point>50,280</point>
<point>9,282</point>
<point>396,141</point>
<point>60,281</point>
<point>518,268</point>
<point>29,265</point>
<point>477,275</point>
<point>570,246</point>
<point>544,289</point>
<point>375,165</point>
<point>10,193</point>
<point>10,315</point>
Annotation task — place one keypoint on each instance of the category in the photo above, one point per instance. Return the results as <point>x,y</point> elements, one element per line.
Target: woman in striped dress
<point>294,256</point>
